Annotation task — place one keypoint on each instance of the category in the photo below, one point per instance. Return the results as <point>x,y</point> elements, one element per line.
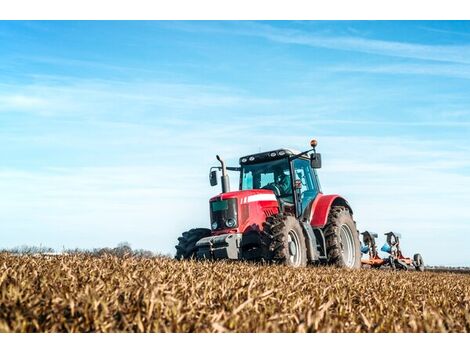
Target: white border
<point>235,9</point>
<point>232,10</point>
<point>230,342</point>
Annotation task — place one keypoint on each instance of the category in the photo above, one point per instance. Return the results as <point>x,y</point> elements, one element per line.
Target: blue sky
<point>108,129</point>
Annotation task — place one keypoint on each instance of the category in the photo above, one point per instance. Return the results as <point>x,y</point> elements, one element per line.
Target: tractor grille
<point>269,212</point>
<point>223,214</point>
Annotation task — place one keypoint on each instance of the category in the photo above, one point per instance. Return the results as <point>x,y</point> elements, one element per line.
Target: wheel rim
<point>293,247</point>
<point>347,246</point>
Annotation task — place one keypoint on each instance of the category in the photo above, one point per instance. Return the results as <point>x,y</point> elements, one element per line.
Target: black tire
<point>283,241</point>
<point>186,247</point>
<point>418,262</point>
<point>341,227</point>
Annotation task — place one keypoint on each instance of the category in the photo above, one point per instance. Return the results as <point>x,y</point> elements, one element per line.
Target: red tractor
<point>279,214</point>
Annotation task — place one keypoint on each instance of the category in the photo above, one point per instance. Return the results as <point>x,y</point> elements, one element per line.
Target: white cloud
<point>21,102</point>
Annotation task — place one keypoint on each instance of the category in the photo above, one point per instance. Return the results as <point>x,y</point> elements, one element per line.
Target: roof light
<point>251,158</point>
<point>244,160</point>
<point>282,152</point>
<point>273,154</point>
<point>313,143</point>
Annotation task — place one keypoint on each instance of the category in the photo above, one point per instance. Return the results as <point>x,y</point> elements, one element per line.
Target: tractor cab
<point>287,173</point>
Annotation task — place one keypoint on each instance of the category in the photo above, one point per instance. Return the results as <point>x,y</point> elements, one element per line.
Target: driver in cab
<point>282,181</point>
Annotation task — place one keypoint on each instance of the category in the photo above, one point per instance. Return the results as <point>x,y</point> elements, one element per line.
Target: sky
<point>108,129</point>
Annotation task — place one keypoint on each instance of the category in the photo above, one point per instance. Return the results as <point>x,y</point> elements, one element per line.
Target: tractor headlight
<point>230,223</point>
<point>251,158</point>
<point>273,154</point>
<point>214,225</point>
<point>244,160</point>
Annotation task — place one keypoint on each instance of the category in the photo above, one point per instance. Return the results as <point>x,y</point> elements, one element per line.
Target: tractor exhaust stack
<point>224,179</point>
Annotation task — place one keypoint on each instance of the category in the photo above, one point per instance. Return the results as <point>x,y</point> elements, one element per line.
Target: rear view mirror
<point>315,160</point>
<point>213,178</point>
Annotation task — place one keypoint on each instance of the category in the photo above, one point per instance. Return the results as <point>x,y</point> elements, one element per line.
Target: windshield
<point>273,175</point>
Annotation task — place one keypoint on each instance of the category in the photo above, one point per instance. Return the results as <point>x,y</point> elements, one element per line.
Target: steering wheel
<point>274,188</point>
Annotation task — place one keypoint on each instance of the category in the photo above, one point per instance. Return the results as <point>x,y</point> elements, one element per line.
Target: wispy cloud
<point>169,104</point>
<point>445,70</point>
<point>21,102</point>
<point>444,53</point>
<point>78,96</point>
<point>445,31</point>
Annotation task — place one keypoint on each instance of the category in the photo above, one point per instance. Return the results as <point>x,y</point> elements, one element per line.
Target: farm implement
<point>395,259</point>
<point>280,215</point>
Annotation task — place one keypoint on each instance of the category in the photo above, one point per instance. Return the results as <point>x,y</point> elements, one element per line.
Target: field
<point>83,293</point>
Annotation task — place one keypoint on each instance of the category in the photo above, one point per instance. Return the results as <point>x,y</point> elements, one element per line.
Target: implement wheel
<point>418,262</point>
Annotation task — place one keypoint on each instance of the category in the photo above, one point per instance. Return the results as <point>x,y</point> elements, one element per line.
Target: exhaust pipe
<point>224,180</point>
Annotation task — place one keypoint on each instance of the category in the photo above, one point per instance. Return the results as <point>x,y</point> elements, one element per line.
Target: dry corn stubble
<point>83,293</point>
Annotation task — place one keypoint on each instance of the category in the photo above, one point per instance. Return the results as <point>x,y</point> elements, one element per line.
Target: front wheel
<point>283,241</point>
<point>342,239</point>
<point>186,247</point>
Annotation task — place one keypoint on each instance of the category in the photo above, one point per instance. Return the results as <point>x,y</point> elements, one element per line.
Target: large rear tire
<point>283,241</point>
<point>186,247</point>
<point>342,239</point>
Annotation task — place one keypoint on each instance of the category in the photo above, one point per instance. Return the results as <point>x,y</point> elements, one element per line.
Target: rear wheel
<point>283,241</point>
<point>186,247</point>
<point>418,262</point>
<point>342,239</point>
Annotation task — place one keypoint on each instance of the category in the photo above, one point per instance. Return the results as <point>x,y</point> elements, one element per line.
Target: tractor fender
<point>320,208</point>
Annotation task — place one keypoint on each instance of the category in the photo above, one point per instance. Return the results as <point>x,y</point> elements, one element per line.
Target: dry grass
<point>81,293</point>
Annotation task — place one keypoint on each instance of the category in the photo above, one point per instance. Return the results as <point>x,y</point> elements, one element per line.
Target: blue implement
<point>386,248</point>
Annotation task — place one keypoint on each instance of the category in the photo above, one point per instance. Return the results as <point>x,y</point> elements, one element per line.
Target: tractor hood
<point>241,211</point>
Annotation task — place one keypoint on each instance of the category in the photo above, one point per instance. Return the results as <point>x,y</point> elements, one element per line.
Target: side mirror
<point>213,178</point>
<point>315,160</point>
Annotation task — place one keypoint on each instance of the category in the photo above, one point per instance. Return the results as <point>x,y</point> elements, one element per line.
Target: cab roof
<point>266,156</point>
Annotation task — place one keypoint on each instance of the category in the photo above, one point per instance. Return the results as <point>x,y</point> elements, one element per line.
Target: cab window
<point>303,173</point>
